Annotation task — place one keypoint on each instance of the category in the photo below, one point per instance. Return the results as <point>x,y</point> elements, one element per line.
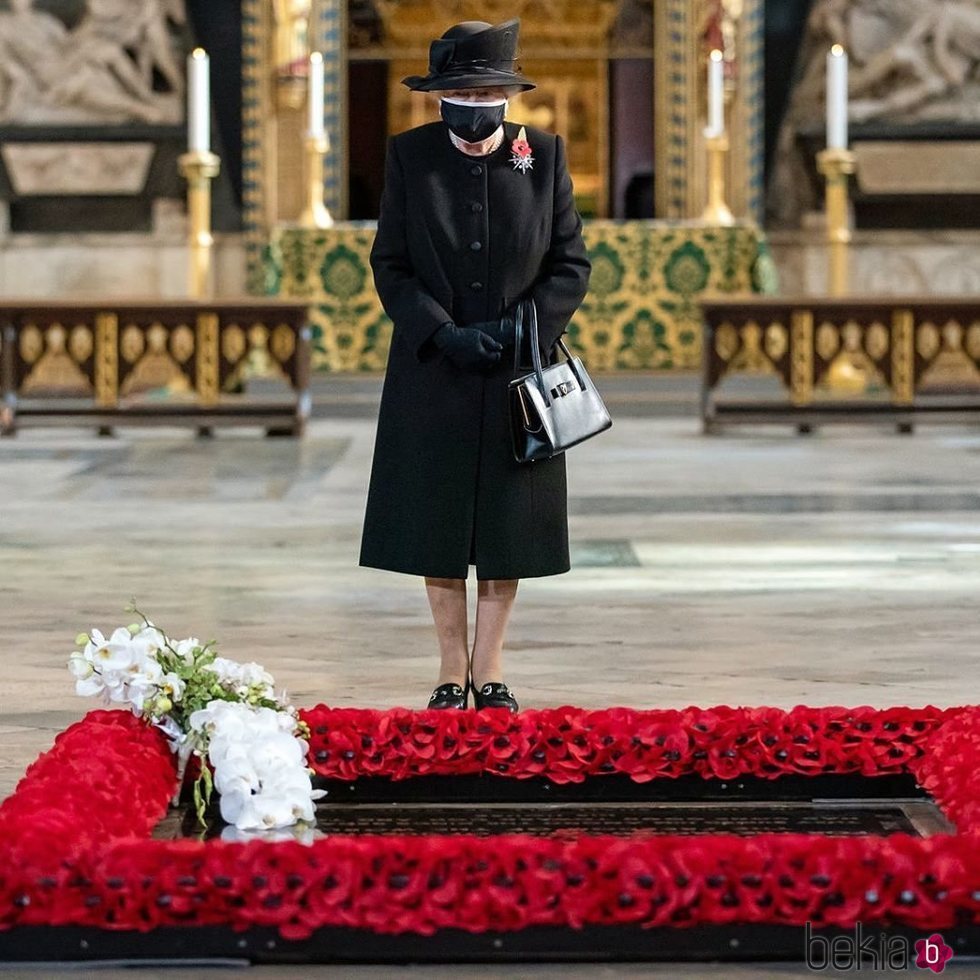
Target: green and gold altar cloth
<point>642,310</point>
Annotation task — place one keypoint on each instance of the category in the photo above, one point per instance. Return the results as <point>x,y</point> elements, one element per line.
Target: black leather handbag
<point>555,407</point>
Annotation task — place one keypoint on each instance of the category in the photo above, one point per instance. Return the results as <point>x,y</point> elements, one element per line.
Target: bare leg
<point>447,600</point>
<point>495,599</point>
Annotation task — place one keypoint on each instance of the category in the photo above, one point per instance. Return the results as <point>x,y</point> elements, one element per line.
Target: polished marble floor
<point>754,567</point>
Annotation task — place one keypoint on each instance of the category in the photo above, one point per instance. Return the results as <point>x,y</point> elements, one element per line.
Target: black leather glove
<point>467,347</point>
<point>501,330</point>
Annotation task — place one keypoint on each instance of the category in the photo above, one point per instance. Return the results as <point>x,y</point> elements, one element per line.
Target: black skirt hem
<point>482,575</point>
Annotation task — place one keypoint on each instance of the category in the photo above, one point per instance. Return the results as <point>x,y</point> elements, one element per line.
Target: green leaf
<point>208,781</point>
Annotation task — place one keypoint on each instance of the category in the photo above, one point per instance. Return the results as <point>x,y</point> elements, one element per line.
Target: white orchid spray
<point>224,712</point>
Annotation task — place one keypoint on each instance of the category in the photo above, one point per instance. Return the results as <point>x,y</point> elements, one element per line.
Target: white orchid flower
<point>80,666</point>
<point>278,753</point>
<point>92,686</point>
<point>253,674</point>
<point>114,653</point>
<point>259,761</point>
<point>151,638</point>
<point>249,811</point>
<point>185,649</point>
<point>173,686</point>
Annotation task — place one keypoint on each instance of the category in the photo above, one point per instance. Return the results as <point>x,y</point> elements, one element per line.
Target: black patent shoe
<point>448,696</point>
<point>494,695</point>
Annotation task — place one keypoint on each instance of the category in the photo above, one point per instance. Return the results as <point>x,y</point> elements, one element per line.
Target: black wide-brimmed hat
<point>473,54</point>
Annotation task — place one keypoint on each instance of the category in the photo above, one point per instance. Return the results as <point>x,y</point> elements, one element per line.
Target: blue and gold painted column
<point>684,32</point>
<point>255,109</point>
<point>329,37</point>
<point>277,38</point>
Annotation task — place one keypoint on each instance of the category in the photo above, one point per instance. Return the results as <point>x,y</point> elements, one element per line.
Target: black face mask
<point>473,121</point>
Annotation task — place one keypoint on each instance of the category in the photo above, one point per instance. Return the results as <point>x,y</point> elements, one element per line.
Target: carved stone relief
<point>77,168</point>
<point>911,61</point>
<point>96,61</point>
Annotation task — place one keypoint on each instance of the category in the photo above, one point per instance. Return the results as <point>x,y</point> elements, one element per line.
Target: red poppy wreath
<point>75,843</point>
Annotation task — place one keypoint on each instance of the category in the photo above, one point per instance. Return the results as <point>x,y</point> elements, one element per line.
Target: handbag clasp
<point>565,388</point>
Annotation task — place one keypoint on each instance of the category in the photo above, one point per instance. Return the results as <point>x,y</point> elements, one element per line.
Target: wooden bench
<point>106,364</point>
<point>921,358</point>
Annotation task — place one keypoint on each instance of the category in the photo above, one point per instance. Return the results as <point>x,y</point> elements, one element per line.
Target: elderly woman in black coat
<point>477,214</point>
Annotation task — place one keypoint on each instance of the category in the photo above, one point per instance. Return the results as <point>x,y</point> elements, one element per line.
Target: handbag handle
<point>532,310</point>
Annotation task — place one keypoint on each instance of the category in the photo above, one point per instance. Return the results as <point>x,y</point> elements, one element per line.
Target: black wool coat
<point>463,238</point>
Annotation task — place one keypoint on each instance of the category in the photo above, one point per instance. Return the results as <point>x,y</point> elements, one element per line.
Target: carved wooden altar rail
<point>89,363</point>
<point>897,343</point>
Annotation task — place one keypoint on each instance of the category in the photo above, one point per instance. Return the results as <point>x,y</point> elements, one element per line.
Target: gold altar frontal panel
<point>151,361</point>
<point>642,311</point>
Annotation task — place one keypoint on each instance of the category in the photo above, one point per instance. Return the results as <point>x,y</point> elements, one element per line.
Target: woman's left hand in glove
<point>501,330</point>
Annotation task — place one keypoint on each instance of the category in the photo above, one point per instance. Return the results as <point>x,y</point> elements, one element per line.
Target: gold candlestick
<point>716,211</point>
<point>836,165</point>
<point>199,168</point>
<point>848,374</point>
<point>315,214</point>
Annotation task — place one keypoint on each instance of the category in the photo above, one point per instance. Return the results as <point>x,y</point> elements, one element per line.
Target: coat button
<point>477,285</point>
<point>476,208</point>
<point>476,171</point>
<point>476,246</point>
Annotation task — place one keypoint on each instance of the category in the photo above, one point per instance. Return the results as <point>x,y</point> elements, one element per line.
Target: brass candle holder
<point>837,165</point>
<point>199,168</point>
<point>315,214</point>
<point>716,211</point>
<point>848,375</point>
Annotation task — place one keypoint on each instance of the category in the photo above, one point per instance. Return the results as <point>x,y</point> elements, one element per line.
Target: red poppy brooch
<point>520,152</point>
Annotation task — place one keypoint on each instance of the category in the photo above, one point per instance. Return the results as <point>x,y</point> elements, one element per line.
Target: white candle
<point>837,98</point>
<point>315,100</point>
<point>199,101</point>
<point>716,93</point>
